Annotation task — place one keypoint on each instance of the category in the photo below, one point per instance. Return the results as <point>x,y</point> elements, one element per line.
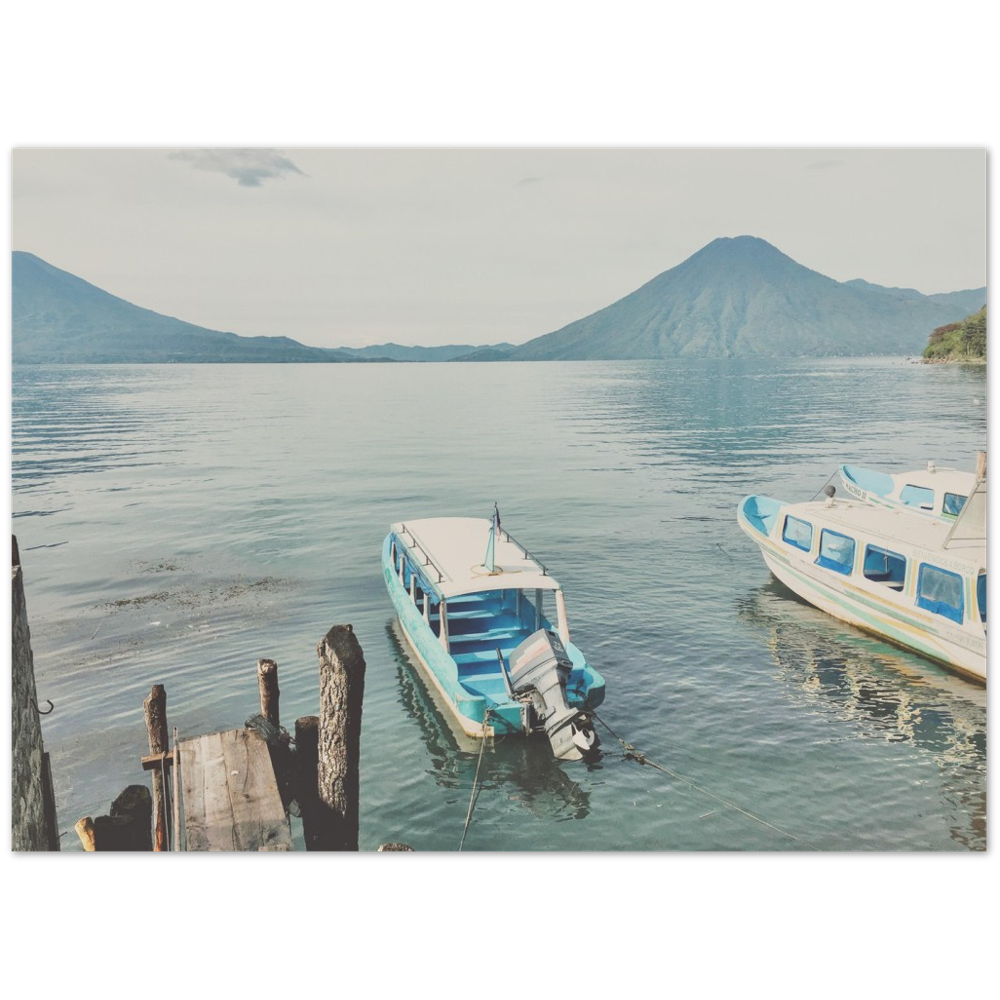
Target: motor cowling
<point>539,671</point>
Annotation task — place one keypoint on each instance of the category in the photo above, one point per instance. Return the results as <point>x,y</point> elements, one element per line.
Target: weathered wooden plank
<point>156,761</point>
<point>193,783</point>
<point>207,812</point>
<point>259,820</point>
<point>215,794</point>
<point>231,797</point>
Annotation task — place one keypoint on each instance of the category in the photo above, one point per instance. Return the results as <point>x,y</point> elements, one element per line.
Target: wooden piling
<point>306,784</point>
<point>267,681</point>
<point>127,825</point>
<point>980,465</point>
<point>341,690</point>
<point>125,828</point>
<point>155,711</point>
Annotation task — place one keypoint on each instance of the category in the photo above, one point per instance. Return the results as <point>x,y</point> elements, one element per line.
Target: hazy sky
<point>355,246</point>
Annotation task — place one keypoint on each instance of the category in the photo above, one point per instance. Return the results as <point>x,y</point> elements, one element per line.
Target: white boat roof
<point>900,527</point>
<point>932,478</point>
<point>953,480</point>
<point>456,546</point>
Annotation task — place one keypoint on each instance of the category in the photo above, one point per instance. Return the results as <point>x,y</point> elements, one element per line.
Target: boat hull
<point>875,609</point>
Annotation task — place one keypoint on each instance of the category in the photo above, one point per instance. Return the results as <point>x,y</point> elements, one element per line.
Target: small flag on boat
<point>496,519</point>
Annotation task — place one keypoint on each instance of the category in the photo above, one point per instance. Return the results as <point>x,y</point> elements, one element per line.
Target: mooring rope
<point>641,758</point>
<point>475,781</point>
<point>273,736</point>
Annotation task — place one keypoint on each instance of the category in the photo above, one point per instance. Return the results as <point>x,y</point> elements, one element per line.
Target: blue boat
<point>475,606</point>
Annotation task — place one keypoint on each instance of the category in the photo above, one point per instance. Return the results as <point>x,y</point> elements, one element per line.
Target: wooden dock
<point>230,799</point>
<point>221,791</point>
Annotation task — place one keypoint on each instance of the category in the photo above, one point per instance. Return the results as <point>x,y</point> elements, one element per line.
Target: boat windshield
<point>917,496</point>
<point>953,504</point>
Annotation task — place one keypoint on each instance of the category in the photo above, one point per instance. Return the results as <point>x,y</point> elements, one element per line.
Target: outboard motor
<point>539,670</point>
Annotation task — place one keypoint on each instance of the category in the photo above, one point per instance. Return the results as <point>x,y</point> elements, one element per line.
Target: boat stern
<point>540,669</point>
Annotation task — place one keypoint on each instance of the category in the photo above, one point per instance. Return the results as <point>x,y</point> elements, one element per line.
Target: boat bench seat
<point>482,630</point>
<point>486,614</point>
<point>477,657</point>
<point>471,600</point>
<point>492,687</point>
<point>491,639</point>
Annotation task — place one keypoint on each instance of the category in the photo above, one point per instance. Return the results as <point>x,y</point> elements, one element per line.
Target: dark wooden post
<point>341,691</point>
<point>306,781</point>
<point>267,681</point>
<point>127,827</point>
<point>155,709</point>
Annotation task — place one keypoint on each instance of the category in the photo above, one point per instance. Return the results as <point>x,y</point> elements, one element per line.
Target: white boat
<point>474,606</point>
<point>937,492</point>
<point>917,581</point>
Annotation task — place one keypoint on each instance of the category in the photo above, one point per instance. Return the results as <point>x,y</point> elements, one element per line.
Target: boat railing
<point>403,530</point>
<point>527,554</point>
<point>415,546</point>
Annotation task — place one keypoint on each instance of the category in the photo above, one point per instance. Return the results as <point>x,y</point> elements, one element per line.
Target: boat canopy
<point>450,552</point>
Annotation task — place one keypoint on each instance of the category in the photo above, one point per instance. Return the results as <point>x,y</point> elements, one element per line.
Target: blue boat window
<point>917,496</point>
<point>953,503</point>
<point>836,551</point>
<point>981,596</point>
<point>798,533</point>
<point>884,566</point>
<point>940,591</point>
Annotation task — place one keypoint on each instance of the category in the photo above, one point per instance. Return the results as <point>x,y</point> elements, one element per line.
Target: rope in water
<point>475,780</point>
<point>641,758</point>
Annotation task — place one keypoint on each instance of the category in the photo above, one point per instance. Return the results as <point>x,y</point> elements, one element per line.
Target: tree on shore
<point>959,341</point>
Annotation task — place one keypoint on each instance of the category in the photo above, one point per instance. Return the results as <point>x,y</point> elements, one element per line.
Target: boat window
<point>981,596</point>
<point>953,503</point>
<point>798,533</point>
<point>940,591</point>
<point>836,551</point>
<point>917,496</point>
<point>884,566</point>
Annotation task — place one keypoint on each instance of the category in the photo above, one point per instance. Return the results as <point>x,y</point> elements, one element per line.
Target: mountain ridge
<point>739,297</point>
<point>736,297</point>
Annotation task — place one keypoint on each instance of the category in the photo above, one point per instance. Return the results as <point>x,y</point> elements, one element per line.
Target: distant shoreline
<point>953,361</point>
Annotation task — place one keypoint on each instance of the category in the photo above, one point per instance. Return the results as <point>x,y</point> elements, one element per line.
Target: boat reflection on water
<point>885,692</point>
<point>524,770</point>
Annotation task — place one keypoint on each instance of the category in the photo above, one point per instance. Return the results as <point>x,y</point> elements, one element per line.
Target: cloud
<point>528,180</point>
<point>248,167</point>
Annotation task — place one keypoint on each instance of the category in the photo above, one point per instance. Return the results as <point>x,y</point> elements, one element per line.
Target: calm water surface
<point>177,523</point>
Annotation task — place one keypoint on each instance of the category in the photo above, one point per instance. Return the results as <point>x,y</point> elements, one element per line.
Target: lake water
<point>178,523</point>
